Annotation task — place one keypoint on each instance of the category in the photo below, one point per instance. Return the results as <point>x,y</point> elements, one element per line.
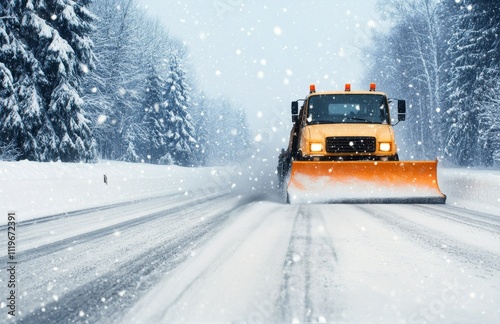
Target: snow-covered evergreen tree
<point>11,125</point>
<point>68,58</point>
<point>202,125</point>
<point>20,113</point>
<point>48,52</point>
<point>181,135</point>
<point>155,114</point>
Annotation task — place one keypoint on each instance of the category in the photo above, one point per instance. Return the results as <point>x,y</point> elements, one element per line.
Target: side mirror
<point>401,110</point>
<point>295,111</point>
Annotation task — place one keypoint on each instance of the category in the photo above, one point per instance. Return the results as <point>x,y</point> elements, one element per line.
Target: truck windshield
<point>347,108</point>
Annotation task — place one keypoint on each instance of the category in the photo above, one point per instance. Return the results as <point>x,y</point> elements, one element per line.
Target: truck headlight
<point>385,147</point>
<point>316,147</point>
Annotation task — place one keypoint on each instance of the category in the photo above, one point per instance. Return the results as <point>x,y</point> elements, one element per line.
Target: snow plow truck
<point>342,149</point>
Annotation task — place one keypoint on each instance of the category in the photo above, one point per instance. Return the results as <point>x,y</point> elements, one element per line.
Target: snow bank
<point>471,188</point>
<point>33,189</point>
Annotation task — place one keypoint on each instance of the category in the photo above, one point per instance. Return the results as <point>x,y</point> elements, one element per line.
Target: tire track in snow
<point>80,212</point>
<point>212,267</point>
<point>46,249</point>
<point>308,271</point>
<point>437,240</point>
<point>285,302</point>
<point>107,296</point>
<point>480,220</point>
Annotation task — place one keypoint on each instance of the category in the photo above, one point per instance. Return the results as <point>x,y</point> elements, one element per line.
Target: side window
<point>316,109</point>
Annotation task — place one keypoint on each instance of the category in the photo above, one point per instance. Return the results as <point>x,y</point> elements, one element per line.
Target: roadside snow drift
<point>33,189</point>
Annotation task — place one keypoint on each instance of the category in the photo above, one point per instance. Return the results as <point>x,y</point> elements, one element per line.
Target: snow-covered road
<point>243,259</point>
<point>166,244</point>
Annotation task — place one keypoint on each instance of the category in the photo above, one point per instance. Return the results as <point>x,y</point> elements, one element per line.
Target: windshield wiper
<point>323,122</point>
<point>362,119</point>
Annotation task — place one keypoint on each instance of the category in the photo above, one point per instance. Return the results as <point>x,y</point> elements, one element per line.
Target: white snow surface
<point>471,188</point>
<point>34,189</point>
<point>168,244</point>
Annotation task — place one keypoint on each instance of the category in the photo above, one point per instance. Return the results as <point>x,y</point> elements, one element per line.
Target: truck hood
<point>321,131</point>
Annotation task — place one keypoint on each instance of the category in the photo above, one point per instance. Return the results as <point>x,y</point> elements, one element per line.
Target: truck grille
<point>358,144</point>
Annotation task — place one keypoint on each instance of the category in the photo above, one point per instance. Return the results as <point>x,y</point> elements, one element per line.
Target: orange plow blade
<point>410,182</point>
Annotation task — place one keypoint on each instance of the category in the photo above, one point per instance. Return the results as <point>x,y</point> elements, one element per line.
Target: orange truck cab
<point>344,125</point>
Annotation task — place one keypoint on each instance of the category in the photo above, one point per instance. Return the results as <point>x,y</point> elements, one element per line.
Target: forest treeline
<point>88,80</point>
<point>443,57</point>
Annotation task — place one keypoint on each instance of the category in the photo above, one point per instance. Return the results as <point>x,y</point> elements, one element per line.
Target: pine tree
<point>181,136</point>
<point>155,114</point>
<point>47,53</point>
<point>68,58</point>
<point>20,114</point>
<point>11,126</point>
<point>202,126</point>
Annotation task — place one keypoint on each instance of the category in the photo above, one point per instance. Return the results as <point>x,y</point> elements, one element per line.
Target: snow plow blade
<point>384,182</point>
